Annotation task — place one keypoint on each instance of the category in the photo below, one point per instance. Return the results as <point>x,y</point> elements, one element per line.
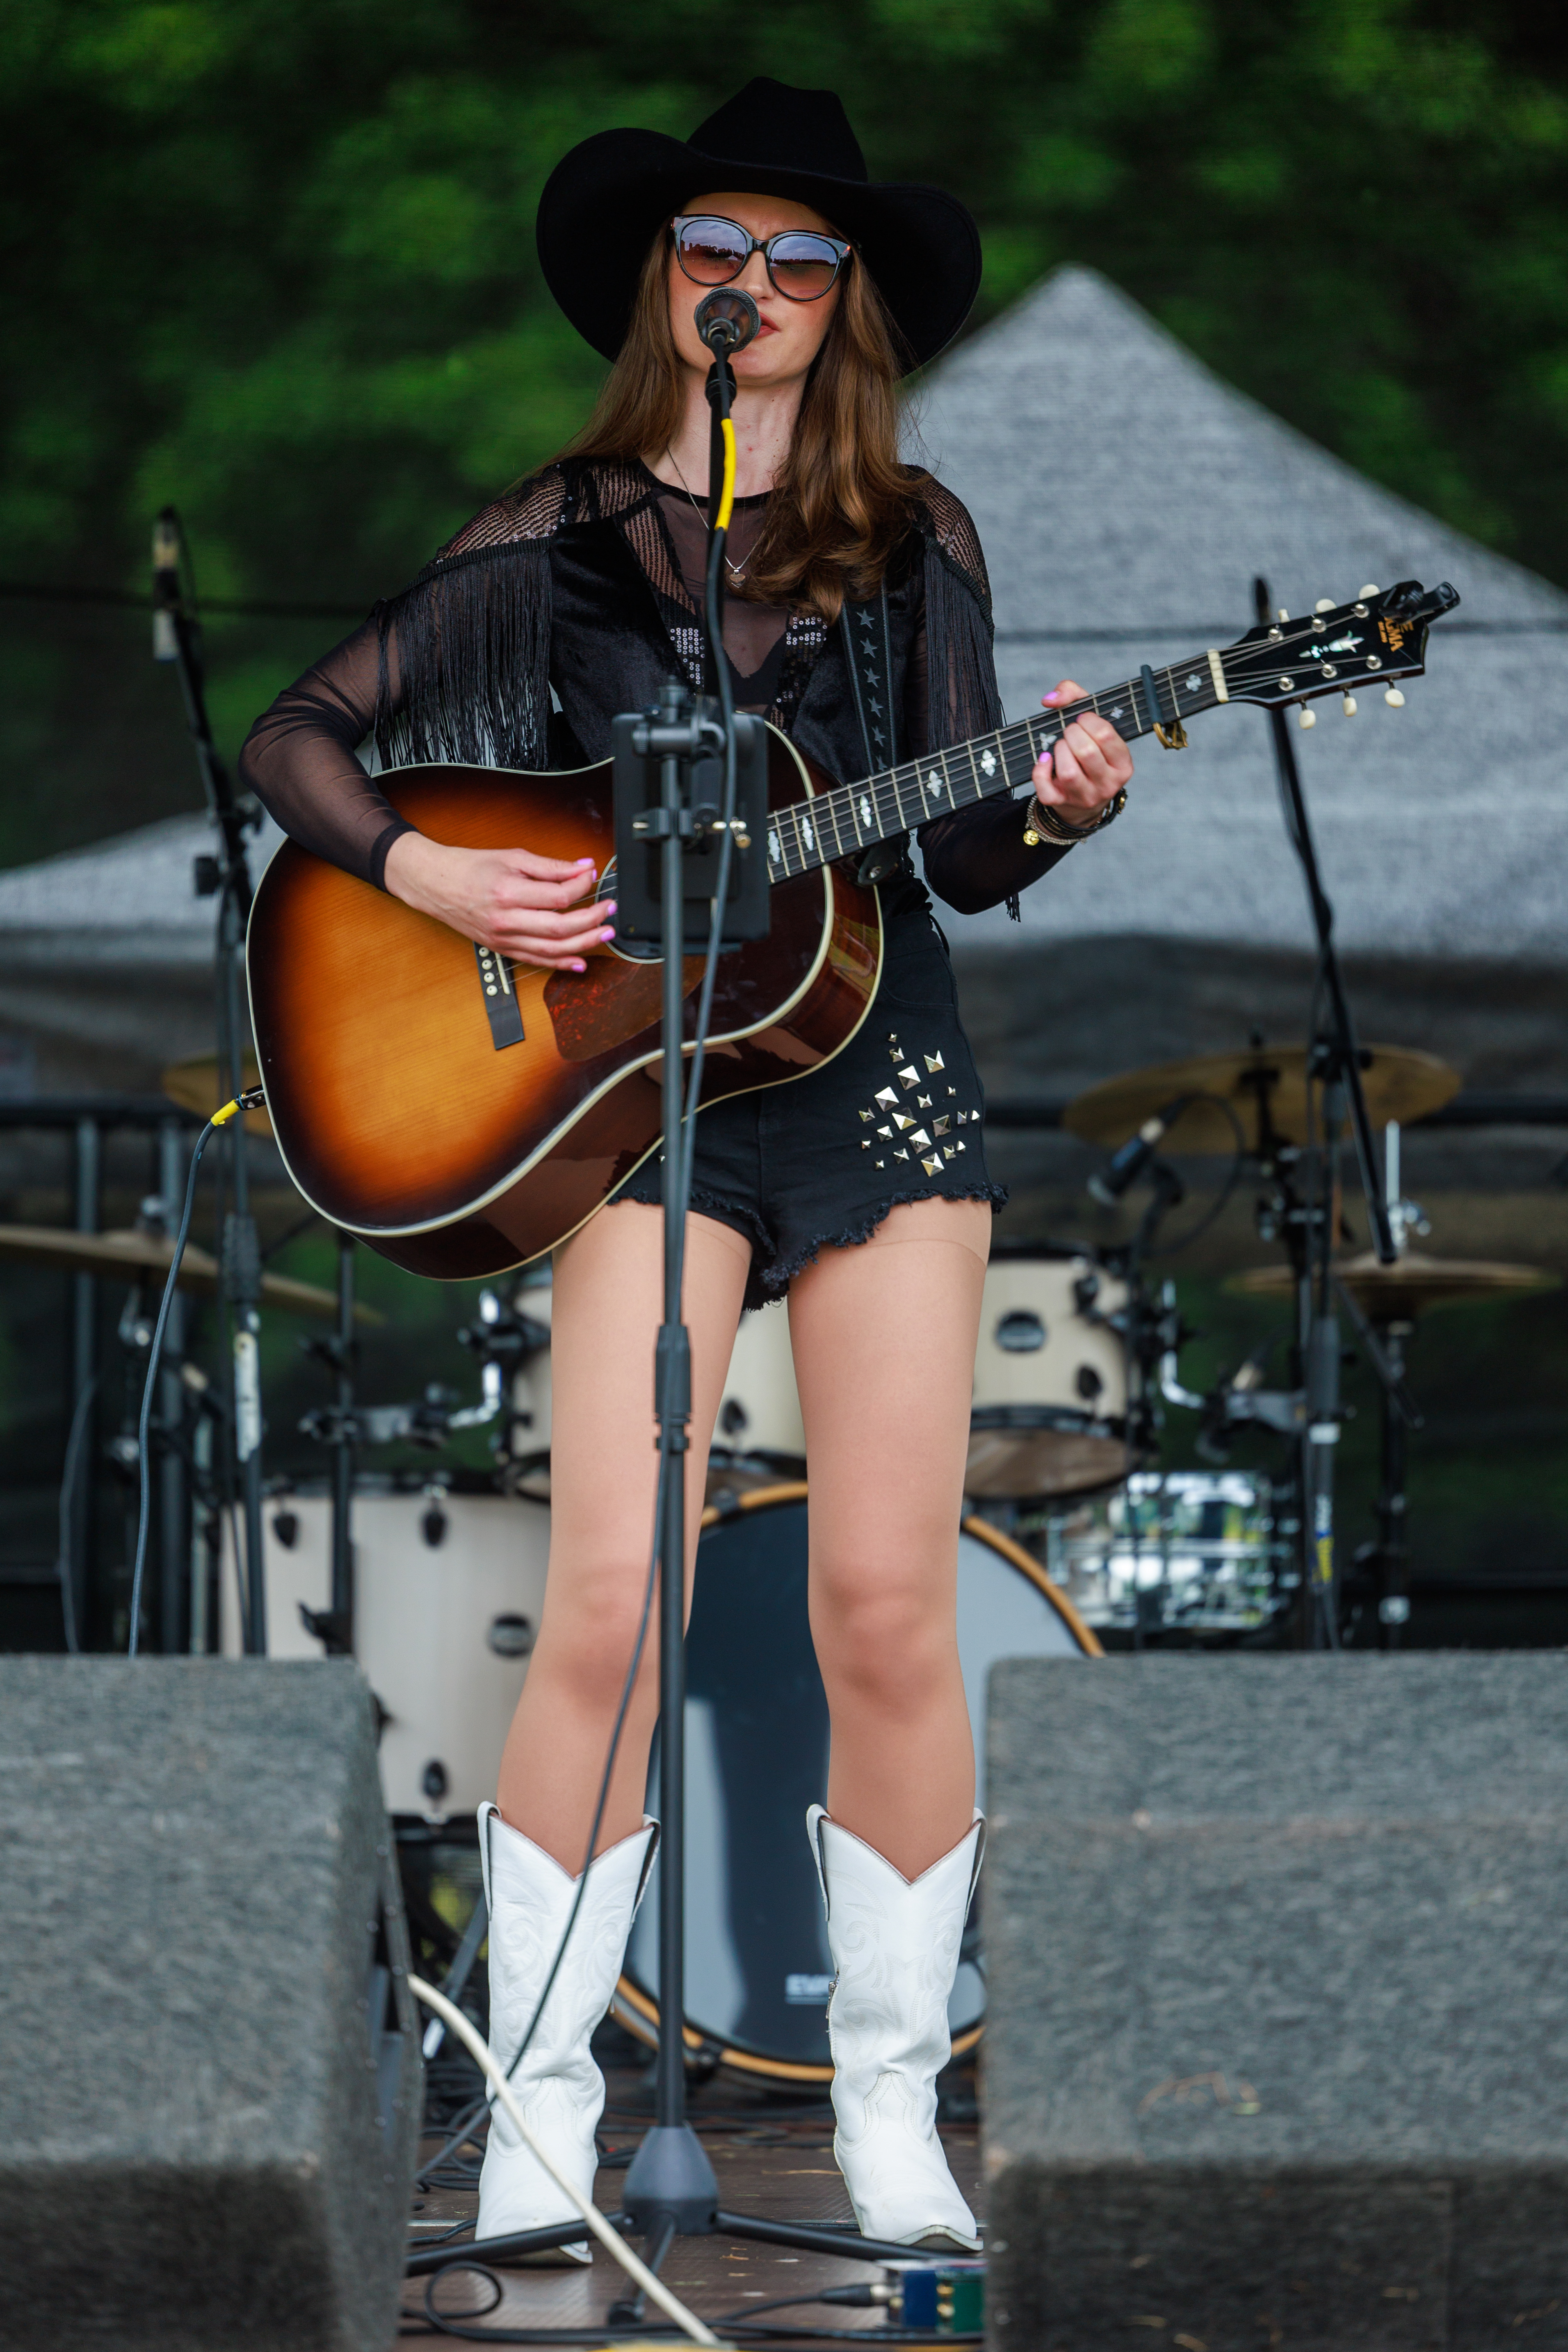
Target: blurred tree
<point>273,261</point>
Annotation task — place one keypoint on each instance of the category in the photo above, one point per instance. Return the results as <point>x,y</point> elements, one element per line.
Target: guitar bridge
<point>501,997</point>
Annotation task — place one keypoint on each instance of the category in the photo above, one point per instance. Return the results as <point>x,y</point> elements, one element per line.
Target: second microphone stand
<point>176,637</point>
<point>1336,1063</point>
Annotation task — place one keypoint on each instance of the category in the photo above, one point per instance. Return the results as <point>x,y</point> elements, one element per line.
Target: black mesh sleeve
<point>454,668</point>
<point>976,857</point>
<point>300,758</point>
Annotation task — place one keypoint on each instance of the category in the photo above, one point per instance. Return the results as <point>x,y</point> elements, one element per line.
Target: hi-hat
<point>195,1086</point>
<point>133,1256</point>
<point>1411,1286</point>
<point>1399,1084</point>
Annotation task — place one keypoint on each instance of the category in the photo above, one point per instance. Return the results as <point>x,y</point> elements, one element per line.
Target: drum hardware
<point>757,1969</point>
<point>1384,1303</point>
<point>1186,1552</point>
<point>1272,1089</point>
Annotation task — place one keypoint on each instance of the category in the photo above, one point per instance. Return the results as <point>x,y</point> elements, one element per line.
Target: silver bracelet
<point>1042,825</point>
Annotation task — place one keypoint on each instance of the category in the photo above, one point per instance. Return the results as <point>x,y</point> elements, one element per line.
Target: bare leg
<point>884,1336</point>
<point>603,1475</point>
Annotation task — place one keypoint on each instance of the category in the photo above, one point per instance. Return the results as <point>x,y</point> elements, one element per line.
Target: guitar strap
<point>868,657</point>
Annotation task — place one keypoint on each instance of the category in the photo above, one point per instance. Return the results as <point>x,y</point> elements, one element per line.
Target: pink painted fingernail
<point>608,932</point>
<point>609,906</point>
<point>576,967</point>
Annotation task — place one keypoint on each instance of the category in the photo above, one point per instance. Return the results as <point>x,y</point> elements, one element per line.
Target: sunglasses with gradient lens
<point>801,263</point>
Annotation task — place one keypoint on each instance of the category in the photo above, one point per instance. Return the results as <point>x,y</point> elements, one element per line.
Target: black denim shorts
<point>898,1115</point>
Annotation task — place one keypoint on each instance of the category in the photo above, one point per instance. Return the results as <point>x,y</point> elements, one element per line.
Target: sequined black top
<point>574,597</point>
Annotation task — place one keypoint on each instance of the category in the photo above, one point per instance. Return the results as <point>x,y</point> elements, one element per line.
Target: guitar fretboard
<point>853,818</point>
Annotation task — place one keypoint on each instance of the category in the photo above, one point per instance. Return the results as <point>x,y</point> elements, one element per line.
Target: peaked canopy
<point>1118,485</point>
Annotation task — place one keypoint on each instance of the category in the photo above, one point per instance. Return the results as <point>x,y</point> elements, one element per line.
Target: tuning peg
<point>1394,698</point>
<point>1308,716</point>
<point>1284,615</point>
<point>1350,705</point>
<point>1370,589</point>
<point>1324,605</point>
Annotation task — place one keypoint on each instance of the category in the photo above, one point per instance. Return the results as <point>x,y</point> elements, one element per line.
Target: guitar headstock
<point>1376,640</point>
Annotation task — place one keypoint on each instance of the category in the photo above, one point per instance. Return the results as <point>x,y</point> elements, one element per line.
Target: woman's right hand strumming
<point>526,907</point>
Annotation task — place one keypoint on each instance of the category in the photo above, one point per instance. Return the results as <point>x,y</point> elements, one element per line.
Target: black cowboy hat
<point>604,202</point>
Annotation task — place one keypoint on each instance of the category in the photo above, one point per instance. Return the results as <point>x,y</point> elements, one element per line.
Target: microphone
<point>727,319</point>
<point>1128,1161</point>
<point>166,586</point>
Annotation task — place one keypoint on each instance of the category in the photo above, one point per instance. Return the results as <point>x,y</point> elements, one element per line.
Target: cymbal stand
<point>1338,1064</point>
<point>176,638</point>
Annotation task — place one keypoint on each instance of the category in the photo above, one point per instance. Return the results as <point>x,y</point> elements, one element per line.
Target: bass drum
<point>758,1968</point>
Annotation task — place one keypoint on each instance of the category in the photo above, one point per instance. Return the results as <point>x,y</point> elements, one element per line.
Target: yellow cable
<point>251,1099</point>
<point>727,495</point>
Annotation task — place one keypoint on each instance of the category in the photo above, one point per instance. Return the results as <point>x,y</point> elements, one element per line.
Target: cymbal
<point>1411,1286</point>
<point>130,1255</point>
<point>195,1086</point>
<point>1398,1083</point>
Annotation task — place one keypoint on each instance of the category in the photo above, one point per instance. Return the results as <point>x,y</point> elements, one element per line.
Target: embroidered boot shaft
<point>557,2085</point>
<point>895,1947</point>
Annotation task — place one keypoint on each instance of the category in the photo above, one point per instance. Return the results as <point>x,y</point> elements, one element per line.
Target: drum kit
<point>1076,1534</point>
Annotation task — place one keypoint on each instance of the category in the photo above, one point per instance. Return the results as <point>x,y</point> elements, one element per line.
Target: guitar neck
<point>855,817</point>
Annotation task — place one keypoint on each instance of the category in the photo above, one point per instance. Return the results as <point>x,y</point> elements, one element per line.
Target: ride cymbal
<point>131,1256</point>
<point>1411,1286</point>
<point>1399,1084</point>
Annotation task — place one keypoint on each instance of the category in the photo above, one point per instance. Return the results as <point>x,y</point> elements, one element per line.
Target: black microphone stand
<point>1335,1061</point>
<point>176,637</point>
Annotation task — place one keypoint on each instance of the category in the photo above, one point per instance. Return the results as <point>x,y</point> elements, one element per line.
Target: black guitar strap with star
<point>869,655</point>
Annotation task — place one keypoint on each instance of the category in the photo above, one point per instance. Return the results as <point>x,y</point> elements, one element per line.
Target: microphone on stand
<point>1128,1161</point>
<point>727,319</point>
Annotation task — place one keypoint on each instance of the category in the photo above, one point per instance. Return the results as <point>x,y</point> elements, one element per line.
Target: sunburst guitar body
<point>462,1114</point>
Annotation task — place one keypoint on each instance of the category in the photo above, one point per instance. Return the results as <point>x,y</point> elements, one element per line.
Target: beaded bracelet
<point>1042,825</point>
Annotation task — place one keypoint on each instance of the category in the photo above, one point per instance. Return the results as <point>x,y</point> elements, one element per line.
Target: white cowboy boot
<point>895,1955</point>
<point>557,2086</point>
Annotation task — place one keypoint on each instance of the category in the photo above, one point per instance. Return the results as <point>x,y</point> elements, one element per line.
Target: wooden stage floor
<point>774,2157</point>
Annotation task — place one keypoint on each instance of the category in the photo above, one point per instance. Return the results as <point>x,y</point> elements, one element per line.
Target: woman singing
<point>567,601</point>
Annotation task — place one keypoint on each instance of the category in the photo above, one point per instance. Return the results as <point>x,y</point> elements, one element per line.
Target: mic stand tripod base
<point>671,2179</point>
<point>671,2192</point>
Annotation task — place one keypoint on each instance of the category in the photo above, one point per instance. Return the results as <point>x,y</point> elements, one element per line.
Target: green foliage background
<point>273,261</point>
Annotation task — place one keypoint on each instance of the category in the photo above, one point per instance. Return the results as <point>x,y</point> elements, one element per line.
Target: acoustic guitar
<point>464,1113</point>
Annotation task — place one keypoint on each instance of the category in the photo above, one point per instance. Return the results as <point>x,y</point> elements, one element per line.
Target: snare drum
<point>1195,1551</point>
<point>757,1969</point>
<point>1049,1415</point>
<point>448,1594</point>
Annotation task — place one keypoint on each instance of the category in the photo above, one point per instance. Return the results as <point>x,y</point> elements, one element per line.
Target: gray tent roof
<point>1117,484</point>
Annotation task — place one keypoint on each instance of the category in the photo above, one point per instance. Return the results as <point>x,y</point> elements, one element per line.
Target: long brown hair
<point>843,501</point>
